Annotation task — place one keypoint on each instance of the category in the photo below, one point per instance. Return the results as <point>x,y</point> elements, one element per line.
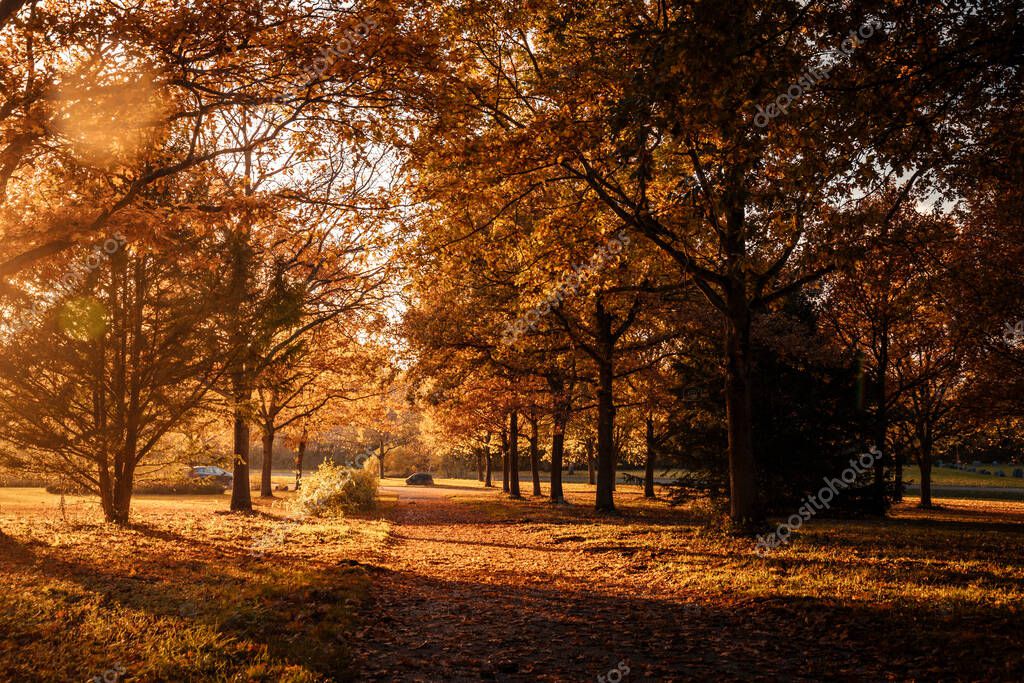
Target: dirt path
<point>468,598</point>
<point>472,592</point>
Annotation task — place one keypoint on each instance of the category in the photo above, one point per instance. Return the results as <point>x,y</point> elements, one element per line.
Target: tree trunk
<point>380,458</point>
<point>241,498</point>
<point>122,498</point>
<point>480,464</point>
<point>605,413</point>
<point>743,499</point>
<point>487,461</point>
<point>300,455</point>
<point>535,453</point>
<point>504,460</point>
<point>881,422</point>
<point>557,455</point>
<point>649,466</point>
<point>561,409</point>
<point>266,484</point>
<point>590,461</point>
<point>106,492</point>
<point>897,494</point>
<point>513,455</point>
<point>925,463</point>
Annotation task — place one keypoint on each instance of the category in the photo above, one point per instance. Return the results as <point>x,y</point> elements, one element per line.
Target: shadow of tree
<point>296,616</point>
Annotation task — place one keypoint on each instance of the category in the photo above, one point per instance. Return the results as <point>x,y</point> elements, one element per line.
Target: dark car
<point>209,472</point>
<point>420,479</point>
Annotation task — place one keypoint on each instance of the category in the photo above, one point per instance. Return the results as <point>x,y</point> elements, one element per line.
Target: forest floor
<point>460,584</point>
<point>476,587</point>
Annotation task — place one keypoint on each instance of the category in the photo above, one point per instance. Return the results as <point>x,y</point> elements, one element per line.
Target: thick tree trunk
<point>266,483</point>
<point>605,412</point>
<point>605,446</point>
<point>241,498</point>
<point>300,455</point>
<point>115,495</point>
<point>590,462</point>
<point>881,422</point>
<point>504,460</point>
<point>897,494</point>
<point>487,461</point>
<point>561,409</point>
<point>743,499</point>
<point>380,458</point>
<point>513,455</point>
<point>557,456</point>
<point>106,491</point>
<point>925,463</point>
<point>649,466</point>
<point>122,498</point>
<point>535,454</point>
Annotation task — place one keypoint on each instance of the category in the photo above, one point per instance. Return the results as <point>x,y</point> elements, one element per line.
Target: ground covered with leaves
<point>462,584</point>
<point>188,593</point>
<point>476,588</point>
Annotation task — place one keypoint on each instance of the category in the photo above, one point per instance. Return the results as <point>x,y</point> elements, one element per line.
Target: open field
<point>947,476</point>
<point>187,593</point>
<point>457,583</point>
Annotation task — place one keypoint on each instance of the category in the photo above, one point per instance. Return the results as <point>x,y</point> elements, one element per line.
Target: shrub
<point>17,479</point>
<point>190,487</point>
<point>334,489</point>
<point>68,488</point>
<point>152,487</point>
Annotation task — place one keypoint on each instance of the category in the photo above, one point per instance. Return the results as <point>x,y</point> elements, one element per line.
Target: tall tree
<point>678,146</point>
<point>92,389</point>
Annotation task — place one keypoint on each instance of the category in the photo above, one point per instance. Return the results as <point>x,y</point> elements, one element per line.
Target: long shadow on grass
<point>300,617</point>
<point>429,628</point>
<point>528,512</point>
<point>958,525</point>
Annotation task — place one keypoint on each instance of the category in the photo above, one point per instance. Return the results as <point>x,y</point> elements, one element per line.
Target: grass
<point>187,593</point>
<point>947,476</point>
<point>192,593</point>
<point>914,597</point>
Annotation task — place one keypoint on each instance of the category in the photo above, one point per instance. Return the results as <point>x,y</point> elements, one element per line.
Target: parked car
<point>420,479</point>
<point>211,472</point>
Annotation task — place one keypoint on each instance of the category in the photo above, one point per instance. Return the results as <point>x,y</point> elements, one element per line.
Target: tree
<point>113,100</point>
<point>677,146</point>
<point>294,388</point>
<point>122,363</point>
